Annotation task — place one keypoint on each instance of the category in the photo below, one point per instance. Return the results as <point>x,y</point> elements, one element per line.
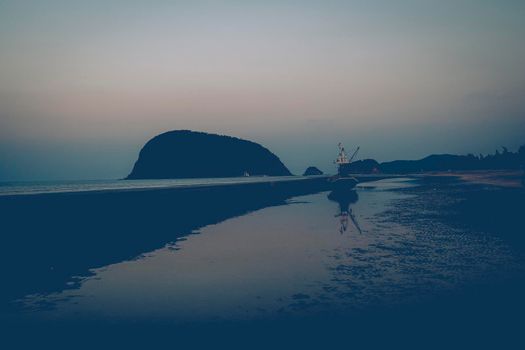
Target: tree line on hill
<point>500,160</point>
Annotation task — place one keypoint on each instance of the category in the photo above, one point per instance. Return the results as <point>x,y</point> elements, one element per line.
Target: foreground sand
<point>502,178</point>
<point>50,238</point>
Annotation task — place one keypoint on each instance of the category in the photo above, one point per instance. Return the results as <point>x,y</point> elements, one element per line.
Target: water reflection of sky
<point>285,260</point>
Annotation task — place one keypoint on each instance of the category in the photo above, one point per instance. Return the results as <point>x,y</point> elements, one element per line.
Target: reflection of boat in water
<point>343,183</point>
<point>345,197</point>
<point>342,180</point>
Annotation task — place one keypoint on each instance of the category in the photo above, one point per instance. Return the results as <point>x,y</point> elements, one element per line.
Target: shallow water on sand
<point>311,256</point>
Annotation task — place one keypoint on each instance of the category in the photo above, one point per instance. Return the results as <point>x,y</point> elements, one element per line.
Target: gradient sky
<point>84,84</point>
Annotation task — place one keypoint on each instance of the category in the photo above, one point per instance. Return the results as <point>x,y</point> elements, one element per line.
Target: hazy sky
<point>84,84</point>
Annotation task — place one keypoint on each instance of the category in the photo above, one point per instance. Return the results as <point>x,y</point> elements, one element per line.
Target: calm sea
<point>40,187</point>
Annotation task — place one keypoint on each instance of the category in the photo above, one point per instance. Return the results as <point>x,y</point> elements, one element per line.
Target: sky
<point>84,84</point>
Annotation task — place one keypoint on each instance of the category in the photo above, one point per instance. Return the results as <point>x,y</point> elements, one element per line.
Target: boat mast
<point>342,158</point>
<point>353,155</point>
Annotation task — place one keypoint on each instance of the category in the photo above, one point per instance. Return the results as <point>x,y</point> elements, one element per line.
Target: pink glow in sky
<point>83,85</point>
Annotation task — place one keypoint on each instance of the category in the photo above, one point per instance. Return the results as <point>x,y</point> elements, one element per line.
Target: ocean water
<point>313,255</point>
<point>42,187</point>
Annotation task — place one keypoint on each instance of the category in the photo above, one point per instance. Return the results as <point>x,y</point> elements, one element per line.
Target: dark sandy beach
<point>436,262</point>
<point>48,238</point>
<point>498,178</point>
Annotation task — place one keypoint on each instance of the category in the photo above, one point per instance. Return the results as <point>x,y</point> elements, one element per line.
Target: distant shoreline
<point>501,178</point>
<point>93,186</point>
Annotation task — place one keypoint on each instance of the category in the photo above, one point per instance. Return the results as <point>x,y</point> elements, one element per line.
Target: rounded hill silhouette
<point>191,154</point>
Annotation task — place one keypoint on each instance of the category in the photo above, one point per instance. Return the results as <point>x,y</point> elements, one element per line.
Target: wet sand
<point>502,178</point>
<point>47,238</point>
<point>438,263</point>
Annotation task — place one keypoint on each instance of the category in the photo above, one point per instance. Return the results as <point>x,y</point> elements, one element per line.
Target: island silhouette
<point>190,154</point>
<point>312,171</point>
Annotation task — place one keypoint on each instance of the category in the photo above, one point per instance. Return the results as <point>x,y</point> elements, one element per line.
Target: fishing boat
<point>343,181</point>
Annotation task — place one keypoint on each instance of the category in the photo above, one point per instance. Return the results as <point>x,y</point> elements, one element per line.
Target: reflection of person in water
<point>345,198</point>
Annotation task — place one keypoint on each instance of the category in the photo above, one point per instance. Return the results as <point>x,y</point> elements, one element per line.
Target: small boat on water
<point>343,181</point>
